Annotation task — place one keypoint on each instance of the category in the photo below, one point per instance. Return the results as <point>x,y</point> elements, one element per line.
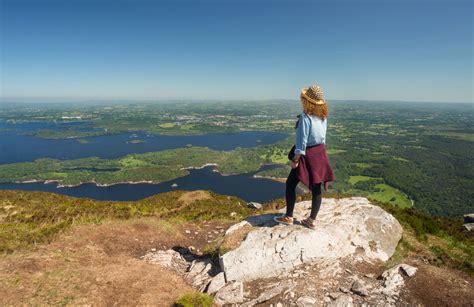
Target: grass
<point>276,155</point>
<point>390,194</point>
<point>194,299</point>
<point>332,151</point>
<point>354,179</point>
<point>28,218</point>
<point>464,136</point>
<point>363,165</point>
<point>131,161</point>
<point>441,237</point>
<point>167,125</point>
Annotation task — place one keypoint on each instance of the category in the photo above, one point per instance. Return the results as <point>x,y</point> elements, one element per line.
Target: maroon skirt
<point>314,167</point>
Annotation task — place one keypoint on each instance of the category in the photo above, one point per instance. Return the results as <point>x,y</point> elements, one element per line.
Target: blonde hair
<point>320,110</point>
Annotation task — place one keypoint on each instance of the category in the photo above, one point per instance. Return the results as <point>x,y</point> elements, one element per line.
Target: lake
<point>15,146</point>
<point>244,186</point>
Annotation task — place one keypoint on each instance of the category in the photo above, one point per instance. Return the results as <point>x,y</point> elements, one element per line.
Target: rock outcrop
<point>345,227</point>
<point>270,262</point>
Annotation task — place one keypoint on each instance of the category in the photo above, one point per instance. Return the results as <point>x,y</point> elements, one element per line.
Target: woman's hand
<point>294,164</point>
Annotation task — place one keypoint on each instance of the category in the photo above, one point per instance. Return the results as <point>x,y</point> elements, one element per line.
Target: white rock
<point>306,301</point>
<point>408,269</point>
<point>231,293</point>
<point>358,287</point>
<point>199,273</point>
<point>254,205</point>
<point>216,283</point>
<point>392,281</point>
<point>236,227</point>
<point>469,226</point>
<point>168,258</point>
<point>346,227</point>
<point>343,300</point>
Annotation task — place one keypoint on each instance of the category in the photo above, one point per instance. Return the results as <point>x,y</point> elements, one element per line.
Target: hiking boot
<point>308,222</point>
<point>284,219</point>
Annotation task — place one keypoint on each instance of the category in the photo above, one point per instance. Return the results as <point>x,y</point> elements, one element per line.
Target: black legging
<point>291,183</point>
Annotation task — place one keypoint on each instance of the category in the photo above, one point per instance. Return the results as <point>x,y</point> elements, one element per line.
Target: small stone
<point>254,205</point>
<point>342,300</point>
<point>306,301</point>
<point>231,293</point>
<point>369,275</point>
<point>344,290</point>
<point>334,295</point>
<point>187,231</point>
<point>359,288</point>
<point>408,269</point>
<point>273,290</point>
<point>232,214</point>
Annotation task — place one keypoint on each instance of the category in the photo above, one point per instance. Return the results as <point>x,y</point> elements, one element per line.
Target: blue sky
<point>376,50</point>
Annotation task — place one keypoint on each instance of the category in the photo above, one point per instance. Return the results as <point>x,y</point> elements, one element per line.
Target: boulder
<point>345,227</point>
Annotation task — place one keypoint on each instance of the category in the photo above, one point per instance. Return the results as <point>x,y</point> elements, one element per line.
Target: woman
<point>309,161</point>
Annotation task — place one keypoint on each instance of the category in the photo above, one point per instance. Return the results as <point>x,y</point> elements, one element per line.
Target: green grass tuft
<point>194,299</point>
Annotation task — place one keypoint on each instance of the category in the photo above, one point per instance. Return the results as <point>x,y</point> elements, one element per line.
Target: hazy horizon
<point>185,100</point>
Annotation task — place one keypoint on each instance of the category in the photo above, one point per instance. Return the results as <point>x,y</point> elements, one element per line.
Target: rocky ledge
<point>262,260</point>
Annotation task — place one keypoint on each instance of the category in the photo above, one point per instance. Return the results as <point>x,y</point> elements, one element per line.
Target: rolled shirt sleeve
<point>302,134</point>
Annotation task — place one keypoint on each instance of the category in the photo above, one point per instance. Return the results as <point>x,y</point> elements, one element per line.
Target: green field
<point>391,195</point>
<point>354,179</point>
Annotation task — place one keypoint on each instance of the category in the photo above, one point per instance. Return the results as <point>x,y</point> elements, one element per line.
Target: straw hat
<point>313,94</point>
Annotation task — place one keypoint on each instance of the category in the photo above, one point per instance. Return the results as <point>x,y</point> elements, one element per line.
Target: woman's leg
<point>316,201</point>
<point>290,195</point>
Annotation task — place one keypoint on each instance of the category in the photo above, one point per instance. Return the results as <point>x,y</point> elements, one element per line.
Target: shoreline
<point>278,179</point>
<point>60,185</point>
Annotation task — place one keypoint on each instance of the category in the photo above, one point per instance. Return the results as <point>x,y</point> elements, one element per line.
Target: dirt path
<point>100,265</point>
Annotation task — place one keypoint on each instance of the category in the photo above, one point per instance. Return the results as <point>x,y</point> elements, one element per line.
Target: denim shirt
<point>311,130</point>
